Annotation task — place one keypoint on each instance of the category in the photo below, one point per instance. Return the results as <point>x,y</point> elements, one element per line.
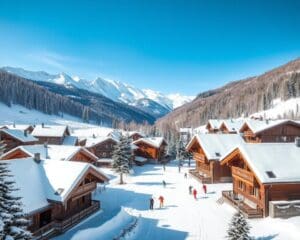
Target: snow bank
<point>109,230</point>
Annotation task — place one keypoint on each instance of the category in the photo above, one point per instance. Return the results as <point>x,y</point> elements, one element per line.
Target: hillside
<point>241,98</point>
<point>114,90</point>
<point>55,99</point>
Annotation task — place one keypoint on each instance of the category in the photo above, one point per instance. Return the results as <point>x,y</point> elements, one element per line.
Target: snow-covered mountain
<point>144,99</point>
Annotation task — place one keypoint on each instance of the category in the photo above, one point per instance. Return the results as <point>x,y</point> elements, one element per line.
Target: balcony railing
<point>243,175</point>
<point>61,226</point>
<point>85,188</point>
<point>237,203</point>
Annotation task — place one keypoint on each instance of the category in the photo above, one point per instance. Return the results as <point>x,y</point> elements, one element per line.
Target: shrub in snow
<point>238,228</point>
<point>121,158</point>
<point>13,223</point>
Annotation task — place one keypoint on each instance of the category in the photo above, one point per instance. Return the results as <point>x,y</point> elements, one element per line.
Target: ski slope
<point>181,218</point>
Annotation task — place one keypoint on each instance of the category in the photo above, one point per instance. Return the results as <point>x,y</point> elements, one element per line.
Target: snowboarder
<point>151,203</point>
<point>190,189</point>
<point>204,188</point>
<point>195,194</point>
<point>164,183</point>
<point>185,175</point>
<point>161,201</point>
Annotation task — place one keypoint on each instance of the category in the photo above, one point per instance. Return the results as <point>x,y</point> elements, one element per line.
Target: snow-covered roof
<point>39,182</point>
<point>233,125</point>
<point>215,146</point>
<point>70,140</point>
<point>49,131</point>
<point>93,132</point>
<point>131,133</point>
<point>215,123</point>
<point>260,125</point>
<point>52,152</point>
<point>19,135</point>
<point>90,142</point>
<point>19,126</point>
<point>281,159</point>
<point>153,141</point>
<point>105,160</point>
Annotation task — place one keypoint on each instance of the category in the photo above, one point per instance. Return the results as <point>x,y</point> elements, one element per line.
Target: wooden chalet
<point>207,151</point>
<point>13,138</point>
<point>135,135</point>
<point>260,131</point>
<point>152,148</point>
<point>213,125</point>
<point>52,152</point>
<point>56,194</point>
<point>266,179</point>
<point>231,126</point>
<point>51,134</point>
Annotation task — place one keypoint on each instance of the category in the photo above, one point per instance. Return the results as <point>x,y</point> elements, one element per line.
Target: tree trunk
<point>121,178</point>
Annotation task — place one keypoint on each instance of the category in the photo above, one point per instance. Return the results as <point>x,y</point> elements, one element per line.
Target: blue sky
<point>171,46</point>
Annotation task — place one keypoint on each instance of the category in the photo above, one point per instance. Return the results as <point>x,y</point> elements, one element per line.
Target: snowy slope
<point>112,89</point>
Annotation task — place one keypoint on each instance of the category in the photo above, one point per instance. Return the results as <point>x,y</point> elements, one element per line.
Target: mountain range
<point>150,101</point>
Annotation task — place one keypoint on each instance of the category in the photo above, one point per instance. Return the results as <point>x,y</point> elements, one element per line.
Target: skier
<point>190,189</point>
<point>164,183</point>
<point>161,201</point>
<point>195,194</point>
<point>151,203</point>
<point>185,175</point>
<point>204,188</point>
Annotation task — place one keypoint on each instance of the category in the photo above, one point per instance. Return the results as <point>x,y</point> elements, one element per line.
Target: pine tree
<point>238,228</point>
<point>13,223</point>
<point>121,158</point>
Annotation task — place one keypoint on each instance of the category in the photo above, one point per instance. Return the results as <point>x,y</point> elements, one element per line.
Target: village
<point>69,185</point>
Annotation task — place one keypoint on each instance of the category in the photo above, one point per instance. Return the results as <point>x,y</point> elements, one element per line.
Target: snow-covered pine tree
<point>121,159</point>
<point>128,150</point>
<point>238,228</point>
<point>13,223</point>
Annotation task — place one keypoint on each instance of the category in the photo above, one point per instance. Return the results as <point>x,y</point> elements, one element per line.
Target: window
<point>241,185</point>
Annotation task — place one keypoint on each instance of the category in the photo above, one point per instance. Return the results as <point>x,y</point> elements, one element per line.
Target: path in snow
<point>182,217</point>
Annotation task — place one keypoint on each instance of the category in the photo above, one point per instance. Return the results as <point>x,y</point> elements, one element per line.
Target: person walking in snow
<point>151,200</point>
<point>161,201</point>
<point>195,193</point>
<point>190,189</point>
<point>204,188</point>
<point>185,175</point>
<point>164,183</point>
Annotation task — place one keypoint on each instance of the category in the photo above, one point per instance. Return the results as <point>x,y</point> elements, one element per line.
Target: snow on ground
<point>181,218</point>
<point>22,115</point>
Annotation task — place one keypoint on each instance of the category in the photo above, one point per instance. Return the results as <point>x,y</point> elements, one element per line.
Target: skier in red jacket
<point>195,193</point>
<point>161,201</point>
<point>204,188</point>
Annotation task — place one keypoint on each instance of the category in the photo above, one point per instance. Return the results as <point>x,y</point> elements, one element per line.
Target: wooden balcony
<point>199,157</point>
<point>56,227</point>
<point>89,187</point>
<point>243,175</point>
<point>199,176</point>
<point>248,211</point>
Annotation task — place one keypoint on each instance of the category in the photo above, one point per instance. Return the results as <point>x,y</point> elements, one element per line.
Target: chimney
<point>25,133</point>
<point>37,157</point>
<point>43,125</point>
<point>297,141</point>
<point>46,150</point>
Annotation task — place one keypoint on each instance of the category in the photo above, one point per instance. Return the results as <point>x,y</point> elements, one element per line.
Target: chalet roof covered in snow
<point>90,142</point>
<point>233,125</point>
<point>49,131</point>
<point>19,135</point>
<point>215,123</point>
<point>22,127</point>
<point>131,133</point>
<point>47,180</point>
<point>153,141</point>
<point>95,132</point>
<point>261,125</point>
<point>70,140</point>
<point>52,152</point>
<point>273,162</point>
<point>215,146</point>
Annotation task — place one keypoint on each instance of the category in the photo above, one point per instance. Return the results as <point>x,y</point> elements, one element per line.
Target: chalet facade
<point>266,179</point>
<point>207,150</point>
<point>14,138</point>
<point>52,152</point>
<point>56,194</point>
<point>51,134</point>
<point>260,131</point>
<point>152,148</point>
